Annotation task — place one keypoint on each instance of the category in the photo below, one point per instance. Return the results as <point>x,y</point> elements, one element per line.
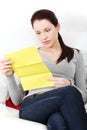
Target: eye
<point>38,33</point>
<point>47,30</point>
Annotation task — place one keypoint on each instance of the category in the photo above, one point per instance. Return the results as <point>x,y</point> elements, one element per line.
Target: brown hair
<point>67,52</point>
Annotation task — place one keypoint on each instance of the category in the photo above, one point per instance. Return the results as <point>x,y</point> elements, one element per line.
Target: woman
<point>60,107</point>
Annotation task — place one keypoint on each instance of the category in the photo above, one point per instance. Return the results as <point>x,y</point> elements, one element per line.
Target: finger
<point>50,78</point>
<point>6,69</point>
<point>9,73</point>
<point>55,80</point>
<point>59,83</point>
<point>8,63</point>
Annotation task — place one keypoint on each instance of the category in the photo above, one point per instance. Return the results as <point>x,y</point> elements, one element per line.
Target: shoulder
<point>77,53</point>
<point>78,56</point>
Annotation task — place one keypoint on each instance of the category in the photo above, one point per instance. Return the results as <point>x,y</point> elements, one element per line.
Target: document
<point>29,67</point>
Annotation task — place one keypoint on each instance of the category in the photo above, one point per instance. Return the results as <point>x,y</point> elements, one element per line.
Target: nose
<point>44,36</point>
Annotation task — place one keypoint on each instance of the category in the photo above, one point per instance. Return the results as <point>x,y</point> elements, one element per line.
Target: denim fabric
<point>56,122</point>
<point>59,109</point>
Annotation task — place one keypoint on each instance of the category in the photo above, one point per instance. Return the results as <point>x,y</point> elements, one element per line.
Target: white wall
<point>16,31</point>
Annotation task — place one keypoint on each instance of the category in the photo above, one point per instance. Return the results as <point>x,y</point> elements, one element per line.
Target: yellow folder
<point>29,67</point>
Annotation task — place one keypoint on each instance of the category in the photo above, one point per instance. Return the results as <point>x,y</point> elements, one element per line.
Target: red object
<point>10,104</point>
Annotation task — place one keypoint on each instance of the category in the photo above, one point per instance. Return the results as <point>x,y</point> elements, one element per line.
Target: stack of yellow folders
<point>29,67</point>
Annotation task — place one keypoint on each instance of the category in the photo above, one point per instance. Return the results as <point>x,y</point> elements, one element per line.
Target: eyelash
<point>38,33</point>
<point>47,30</point>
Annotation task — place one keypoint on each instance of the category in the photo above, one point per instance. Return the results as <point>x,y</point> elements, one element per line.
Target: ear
<point>58,27</point>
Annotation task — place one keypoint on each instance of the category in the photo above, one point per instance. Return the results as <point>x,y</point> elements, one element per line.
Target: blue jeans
<point>59,109</point>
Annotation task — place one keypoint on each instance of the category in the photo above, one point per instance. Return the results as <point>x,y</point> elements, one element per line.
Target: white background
<point>16,31</point>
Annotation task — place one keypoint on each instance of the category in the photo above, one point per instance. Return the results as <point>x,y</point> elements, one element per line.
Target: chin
<point>48,45</point>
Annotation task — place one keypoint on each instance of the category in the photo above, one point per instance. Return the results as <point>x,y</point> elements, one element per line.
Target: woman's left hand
<point>60,82</point>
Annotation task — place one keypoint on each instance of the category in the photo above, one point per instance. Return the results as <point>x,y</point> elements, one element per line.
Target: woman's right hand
<point>6,67</point>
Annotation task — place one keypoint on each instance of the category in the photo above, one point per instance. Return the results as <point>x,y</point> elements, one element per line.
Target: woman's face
<point>46,32</point>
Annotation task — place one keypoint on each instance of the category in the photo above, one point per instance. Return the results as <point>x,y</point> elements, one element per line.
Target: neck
<point>53,48</point>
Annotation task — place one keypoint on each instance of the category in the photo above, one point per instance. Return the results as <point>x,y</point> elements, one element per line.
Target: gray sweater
<point>74,71</point>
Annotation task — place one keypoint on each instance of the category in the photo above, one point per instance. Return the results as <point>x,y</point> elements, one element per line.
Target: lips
<point>46,42</point>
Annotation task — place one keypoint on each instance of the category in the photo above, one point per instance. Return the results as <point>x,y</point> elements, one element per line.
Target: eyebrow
<point>44,29</point>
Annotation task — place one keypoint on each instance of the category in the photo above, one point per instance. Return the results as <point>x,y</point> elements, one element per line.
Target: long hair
<point>67,52</point>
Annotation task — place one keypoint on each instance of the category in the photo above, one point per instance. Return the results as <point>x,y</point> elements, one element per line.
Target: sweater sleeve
<point>80,76</point>
<point>15,89</point>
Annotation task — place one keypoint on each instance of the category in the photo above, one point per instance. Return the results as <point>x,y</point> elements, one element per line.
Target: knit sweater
<point>73,70</point>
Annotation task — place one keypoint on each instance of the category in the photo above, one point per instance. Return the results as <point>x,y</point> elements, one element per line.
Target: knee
<point>71,91</point>
<point>56,121</point>
<point>72,94</point>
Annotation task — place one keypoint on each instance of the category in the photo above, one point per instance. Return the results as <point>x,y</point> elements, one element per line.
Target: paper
<point>29,67</point>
